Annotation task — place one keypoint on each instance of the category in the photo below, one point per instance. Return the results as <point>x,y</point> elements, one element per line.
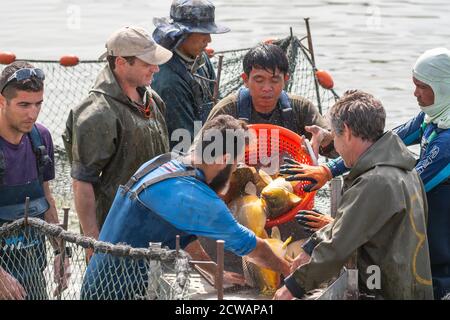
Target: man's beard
<point>220,181</point>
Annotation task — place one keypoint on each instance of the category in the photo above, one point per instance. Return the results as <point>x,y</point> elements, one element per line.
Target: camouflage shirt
<point>108,137</point>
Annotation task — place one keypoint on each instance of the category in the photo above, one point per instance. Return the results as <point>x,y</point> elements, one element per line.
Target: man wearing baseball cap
<point>118,127</point>
<point>186,82</point>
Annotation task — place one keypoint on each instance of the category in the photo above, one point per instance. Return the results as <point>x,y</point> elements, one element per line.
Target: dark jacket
<point>107,138</point>
<point>188,98</point>
<point>382,215</point>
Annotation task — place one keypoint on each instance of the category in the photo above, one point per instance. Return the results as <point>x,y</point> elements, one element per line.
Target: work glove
<point>311,221</point>
<point>317,175</point>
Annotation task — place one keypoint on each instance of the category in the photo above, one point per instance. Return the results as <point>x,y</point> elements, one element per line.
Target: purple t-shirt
<point>21,165</point>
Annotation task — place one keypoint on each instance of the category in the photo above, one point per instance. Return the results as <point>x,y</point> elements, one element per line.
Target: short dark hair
<point>112,61</point>
<point>266,56</point>
<point>230,130</point>
<point>361,112</point>
<point>32,84</point>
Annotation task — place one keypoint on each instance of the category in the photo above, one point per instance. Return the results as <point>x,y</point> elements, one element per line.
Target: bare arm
<point>263,256</point>
<point>85,206</point>
<point>10,288</point>
<point>51,216</point>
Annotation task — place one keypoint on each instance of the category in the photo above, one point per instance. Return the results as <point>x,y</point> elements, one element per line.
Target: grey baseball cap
<point>133,41</point>
<point>196,16</point>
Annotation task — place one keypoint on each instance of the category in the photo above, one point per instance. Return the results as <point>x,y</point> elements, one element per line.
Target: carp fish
<point>250,212</point>
<point>266,280</point>
<point>279,197</point>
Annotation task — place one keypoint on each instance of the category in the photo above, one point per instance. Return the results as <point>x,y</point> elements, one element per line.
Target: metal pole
<point>219,269</point>
<point>65,224</point>
<point>310,44</point>
<point>313,60</point>
<point>177,243</point>
<point>217,83</point>
<point>62,250</point>
<point>27,209</point>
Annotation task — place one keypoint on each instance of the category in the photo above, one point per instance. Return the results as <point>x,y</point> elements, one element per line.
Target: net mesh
<point>27,258</point>
<point>66,87</point>
<point>26,251</point>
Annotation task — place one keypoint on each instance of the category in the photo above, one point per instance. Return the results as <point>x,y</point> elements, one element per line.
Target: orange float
<point>69,60</point>
<point>325,79</point>
<point>270,40</point>
<point>7,57</point>
<point>209,51</point>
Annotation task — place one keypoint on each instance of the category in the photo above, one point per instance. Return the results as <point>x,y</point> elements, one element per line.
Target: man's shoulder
<point>299,101</point>
<point>385,176</point>
<point>95,107</point>
<point>43,131</point>
<point>167,75</point>
<point>227,104</point>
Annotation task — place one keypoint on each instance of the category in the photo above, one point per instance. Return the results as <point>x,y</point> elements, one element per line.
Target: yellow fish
<point>279,197</point>
<point>250,212</point>
<point>266,280</point>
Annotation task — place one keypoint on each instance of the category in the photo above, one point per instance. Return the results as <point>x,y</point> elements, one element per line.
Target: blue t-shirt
<point>183,206</point>
<point>186,203</point>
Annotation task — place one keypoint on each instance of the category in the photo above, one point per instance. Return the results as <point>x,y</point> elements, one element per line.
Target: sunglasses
<point>24,74</point>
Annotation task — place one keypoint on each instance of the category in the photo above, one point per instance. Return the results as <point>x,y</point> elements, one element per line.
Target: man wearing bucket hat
<point>186,82</point>
<point>119,126</point>
<point>430,128</point>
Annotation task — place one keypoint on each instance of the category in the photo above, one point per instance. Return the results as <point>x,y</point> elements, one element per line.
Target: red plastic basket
<point>268,139</point>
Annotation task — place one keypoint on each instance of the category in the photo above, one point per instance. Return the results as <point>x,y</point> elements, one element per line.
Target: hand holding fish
<point>302,258</point>
<point>233,278</point>
<point>283,294</point>
<point>318,175</point>
<point>320,137</point>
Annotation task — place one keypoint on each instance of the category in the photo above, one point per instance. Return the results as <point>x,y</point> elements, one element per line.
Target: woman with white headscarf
<point>431,129</point>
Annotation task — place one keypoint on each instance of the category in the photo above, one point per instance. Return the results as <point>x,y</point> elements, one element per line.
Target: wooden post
<point>219,269</point>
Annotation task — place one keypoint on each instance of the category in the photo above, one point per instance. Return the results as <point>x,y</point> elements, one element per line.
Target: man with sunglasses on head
<point>118,127</point>
<point>26,167</point>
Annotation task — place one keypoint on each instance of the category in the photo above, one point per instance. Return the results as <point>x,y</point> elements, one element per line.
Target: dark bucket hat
<point>196,16</point>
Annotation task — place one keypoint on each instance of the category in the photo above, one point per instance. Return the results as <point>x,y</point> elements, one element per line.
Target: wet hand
<point>320,137</point>
<point>233,278</point>
<point>302,258</point>
<point>283,294</point>
<point>10,288</point>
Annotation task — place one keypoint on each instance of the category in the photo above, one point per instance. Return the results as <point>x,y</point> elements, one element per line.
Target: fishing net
<point>27,253</point>
<point>66,87</point>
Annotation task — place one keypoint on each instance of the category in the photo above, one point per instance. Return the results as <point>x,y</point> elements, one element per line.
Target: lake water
<point>370,45</point>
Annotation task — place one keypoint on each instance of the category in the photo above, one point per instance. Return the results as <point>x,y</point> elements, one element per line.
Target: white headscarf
<point>433,69</point>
